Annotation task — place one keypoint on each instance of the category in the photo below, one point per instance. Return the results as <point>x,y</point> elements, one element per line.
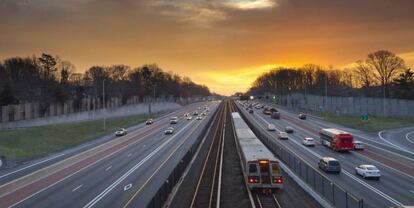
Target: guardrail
<point>333,193</point>
<point>173,178</point>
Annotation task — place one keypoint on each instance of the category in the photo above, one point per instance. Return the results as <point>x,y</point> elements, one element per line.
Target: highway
<point>396,186</point>
<point>125,175</point>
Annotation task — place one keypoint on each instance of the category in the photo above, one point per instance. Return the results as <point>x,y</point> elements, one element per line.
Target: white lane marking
<point>40,162</point>
<point>341,156</point>
<point>392,144</point>
<point>127,187</point>
<point>130,171</point>
<point>407,137</point>
<point>78,187</point>
<point>129,155</point>
<point>385,196</point>
<point>108,168</point>
<point>412,191</point>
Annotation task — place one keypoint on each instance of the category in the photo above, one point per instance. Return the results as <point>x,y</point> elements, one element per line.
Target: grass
<point>25,143</point>
<point>374,124</point>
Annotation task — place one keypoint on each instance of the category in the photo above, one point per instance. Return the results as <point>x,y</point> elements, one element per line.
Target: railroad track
<point>207,193</point>
<point>266,201</point>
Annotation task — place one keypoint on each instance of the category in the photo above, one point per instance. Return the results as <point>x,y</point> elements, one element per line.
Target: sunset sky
<point>224,44</point>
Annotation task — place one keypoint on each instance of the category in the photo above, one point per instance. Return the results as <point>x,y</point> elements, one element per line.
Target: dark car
<point>250,110</point>
<point>302,116</point>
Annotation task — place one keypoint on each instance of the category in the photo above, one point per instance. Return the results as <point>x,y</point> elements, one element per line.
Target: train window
<point>275,169</point>
<point>264,168</point>
<point>252,168</point>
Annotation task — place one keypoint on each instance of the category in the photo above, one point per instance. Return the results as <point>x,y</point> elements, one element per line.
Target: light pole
<point>326,94</point>
<point>104,104</point>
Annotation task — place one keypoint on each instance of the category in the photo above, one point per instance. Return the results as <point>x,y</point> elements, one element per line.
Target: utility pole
<point>104,104</point>
<point>326,92</point>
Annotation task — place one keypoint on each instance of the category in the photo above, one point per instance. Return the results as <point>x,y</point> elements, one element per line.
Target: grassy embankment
<point>374,124</point>
<point>31,142</point>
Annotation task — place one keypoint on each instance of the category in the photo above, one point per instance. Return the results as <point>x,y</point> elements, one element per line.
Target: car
<point>199,108</point>
<point>302,116</point>
<point>121,132</point>
<point>250,110</point>
<point>169,130</point>
<point>289,129</point>
<point>368,171</point>
<point>195,113</point>
<point>189,118</point>
<point>149,121</point>
<point>308,141</point>
<point>207,110</point>
<point>271,127</point>
<point>203,113</point>
<point>329,164</point>
<point>358,145</point>
<point>282,135</point>
<point>199,118</point>
<point>174,120</point>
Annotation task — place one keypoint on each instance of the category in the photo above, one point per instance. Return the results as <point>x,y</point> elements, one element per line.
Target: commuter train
<point>261,168</point>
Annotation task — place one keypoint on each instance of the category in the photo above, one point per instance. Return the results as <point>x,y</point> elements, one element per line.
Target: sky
<point>224,44</point>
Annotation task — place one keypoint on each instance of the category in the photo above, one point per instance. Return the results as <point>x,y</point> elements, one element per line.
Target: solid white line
<point>385,196</point>
<point>130,171</point>
<point>408,139</point>
<point>43,161</point>
<point>129,155</point>
<point>392,144</point>
<point>412,191</point>
<point>108,168</point>
<point>78,187</point>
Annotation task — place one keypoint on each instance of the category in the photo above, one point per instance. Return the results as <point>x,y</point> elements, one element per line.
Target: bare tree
<point>386,64</point>
<point>365,74</point>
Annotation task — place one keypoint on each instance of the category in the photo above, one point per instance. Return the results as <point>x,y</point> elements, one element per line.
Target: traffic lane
<point>17,195</point>
<point>392,184</point>
<point>119,195</point>
<point>392,181</point>
<point>374,141</point>
<point>157,137</point>
<point>83,174</point>
<point>33,165</point>
<point>348,178</point>
<point>398,161</point>
<point>141,195</point>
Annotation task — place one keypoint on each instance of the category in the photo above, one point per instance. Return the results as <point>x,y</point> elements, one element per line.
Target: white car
<point>282,135</point>
<point>368,171</point>
<point>308,141</point>
<point>189,117</point>
<point>199,118</point>
<point>174,120</point>
<point>271,127</point>
<point>121,132</point>
<point>359,145</point>
<point>169,130</point>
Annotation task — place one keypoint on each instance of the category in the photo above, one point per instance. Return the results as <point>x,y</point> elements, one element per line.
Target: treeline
<point>382,73</point>
<point>47,79</point>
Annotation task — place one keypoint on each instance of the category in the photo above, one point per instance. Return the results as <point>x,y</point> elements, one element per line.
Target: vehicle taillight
<point>278,180</point>
<point>252,179</point>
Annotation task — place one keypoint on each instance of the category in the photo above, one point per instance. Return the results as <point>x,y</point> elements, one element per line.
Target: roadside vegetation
<point>26,143</point>
<point>373,124</point>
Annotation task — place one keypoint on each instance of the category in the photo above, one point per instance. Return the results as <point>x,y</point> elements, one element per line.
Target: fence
<point>325,187</point>
<point>350,105</point>
<point>89,108</point>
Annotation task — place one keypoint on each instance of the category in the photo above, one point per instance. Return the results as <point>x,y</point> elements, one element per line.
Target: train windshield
<point>275,169</point>
<point>252,168</point>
